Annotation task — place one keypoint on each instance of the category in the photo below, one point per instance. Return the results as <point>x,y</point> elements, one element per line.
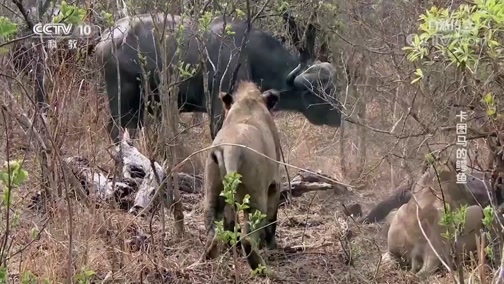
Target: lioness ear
<point>226,99</point>
<point>271,98</point>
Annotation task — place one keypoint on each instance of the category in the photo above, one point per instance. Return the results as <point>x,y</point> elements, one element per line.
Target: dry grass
<point>309,233</point>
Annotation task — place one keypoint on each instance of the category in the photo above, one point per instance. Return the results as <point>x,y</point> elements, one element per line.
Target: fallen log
<point>98,186</point>
<point>125,191</point>
<point>135,190</point>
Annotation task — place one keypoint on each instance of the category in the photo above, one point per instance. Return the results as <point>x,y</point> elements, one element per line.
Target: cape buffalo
<point>406,238</point>
<point>247,122</point>
<point>266,62</point>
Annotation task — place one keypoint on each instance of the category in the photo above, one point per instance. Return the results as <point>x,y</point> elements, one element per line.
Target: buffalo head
<point>313,90</point>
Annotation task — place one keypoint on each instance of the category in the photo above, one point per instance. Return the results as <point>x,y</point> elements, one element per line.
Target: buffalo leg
<point>154,100</point>
<point>400,196</point>
<point>216,115</point>
<point>130,107</point>
<point>270,230</point>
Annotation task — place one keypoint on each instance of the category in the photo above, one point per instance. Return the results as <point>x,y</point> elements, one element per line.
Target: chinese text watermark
<point>447,30</point>
<point>52,44</point>
<point>461,152</point>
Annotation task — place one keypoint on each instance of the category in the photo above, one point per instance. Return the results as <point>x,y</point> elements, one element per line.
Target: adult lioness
<point>247,122</point>
<point>405,237</point>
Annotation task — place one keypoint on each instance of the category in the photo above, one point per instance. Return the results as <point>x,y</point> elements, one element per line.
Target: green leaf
<point>3,50</point>
<point>70,13</point>
<point>246,199</point>
<point>16,173</point>
<point>34,233</point>
<point>109,18</point>
<point>488,99</point>
<point>3,275</point>
<point>415,80</point>
<point>4,178</point>
<point>7,197</point>
<point>15,220</point>
<point>90,273</point>
<point>429,158</point>
<point>419,74</point>
<point>20,177</point>
<point>7,27</point>
<point>240,13</point>
<point>28,278</point>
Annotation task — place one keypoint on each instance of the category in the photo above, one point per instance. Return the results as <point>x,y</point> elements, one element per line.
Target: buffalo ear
<point>270,98</point>
<point>226,99</point>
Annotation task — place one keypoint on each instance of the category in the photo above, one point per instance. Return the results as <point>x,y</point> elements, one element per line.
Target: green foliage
<point>255,218</point>
<point>7,28</point>
<point>231,182</point>
<point>14,222</point>
<point>419,75</point>
<point>489,102</point>
<point>281,6</point>
<point>260,270</point>
<point>468,37</point>
<point>12,176</point>
<point>28,278</point>
<point>488,218</point>
<point>229,30</point>
<point>70,14</point>
<point>108,17</point>
<point>461,36</point>
<point>455,218</point>
<point>3,275</point>
<point>240,14</point>
<point>186,70</point>
<point>205,20</point>
<point>16,173</point>
<point>430,159</point>
<point>84,276</point>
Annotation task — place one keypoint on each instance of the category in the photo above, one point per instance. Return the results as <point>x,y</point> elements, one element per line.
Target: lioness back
<point>250,161</point>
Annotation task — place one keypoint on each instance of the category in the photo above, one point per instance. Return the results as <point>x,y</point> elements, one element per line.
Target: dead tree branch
<point>135,191</point>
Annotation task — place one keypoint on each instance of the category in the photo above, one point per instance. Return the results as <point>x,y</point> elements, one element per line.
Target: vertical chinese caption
<point>461,152</point>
